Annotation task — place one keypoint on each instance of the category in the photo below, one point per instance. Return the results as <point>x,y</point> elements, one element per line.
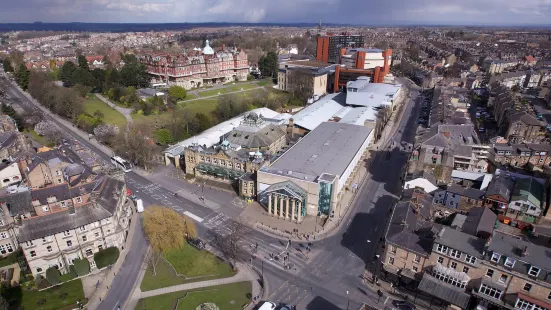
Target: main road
<point>330,278</point>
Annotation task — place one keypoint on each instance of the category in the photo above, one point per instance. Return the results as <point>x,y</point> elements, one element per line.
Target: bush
<point>42,283</point>
<point>53,276</point>
<point>82,267</point>
<point>106,257</point>
<point>73,271</point>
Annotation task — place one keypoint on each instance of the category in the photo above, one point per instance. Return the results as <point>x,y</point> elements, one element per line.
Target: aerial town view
<point>230,155</point>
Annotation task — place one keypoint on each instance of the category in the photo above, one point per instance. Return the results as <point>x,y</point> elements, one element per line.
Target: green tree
<point>67,73</point>
<point>84,77</point>
<point>7,65</point>
<point>177,92</point>
<point>268,64</point>
<point>204,121</point>
<point>10,111</point>
<point>22,77</point>
<point>163,136</point>
<point>83,63</point>
<point>133,73</point>
<point>99,76</point>
<point>82,90</point>
<point>53,276</point>
<point>4,304</point>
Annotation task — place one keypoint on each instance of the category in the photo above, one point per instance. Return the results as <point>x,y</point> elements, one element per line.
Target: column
<point>293,209</point>
<point>299,218</point>
<point>270,203</point>
<point>287,208</point>
<point>177,161</point>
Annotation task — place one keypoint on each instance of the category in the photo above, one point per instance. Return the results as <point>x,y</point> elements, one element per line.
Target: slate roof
<point>60,192</point>
<point>513,247</point>
<point>501,185</point>
<point>18,203</point>
<point>264,137</point>
<point>468,192</point>
<point>479,219</point>
<point>108,193</point>
<point>42,226</point>
<point>445,291</point>
<point>409,230</point>
<point>461,241</point>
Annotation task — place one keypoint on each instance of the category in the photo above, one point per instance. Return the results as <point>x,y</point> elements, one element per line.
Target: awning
<point>535,301</point>
<point>444,291</point>
<point>391,269</point>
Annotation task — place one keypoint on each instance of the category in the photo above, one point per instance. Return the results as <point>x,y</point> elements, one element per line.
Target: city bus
<point>121,163</point>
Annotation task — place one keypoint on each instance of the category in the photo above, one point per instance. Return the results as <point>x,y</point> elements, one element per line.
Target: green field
<point>40,139</point>
<point>265,82</point>
<point>205,106</point>
<point>193,264</point>
<point>227,297</point>
<point>111,116</point>
<point>225,90</point>
<point>53,296</point>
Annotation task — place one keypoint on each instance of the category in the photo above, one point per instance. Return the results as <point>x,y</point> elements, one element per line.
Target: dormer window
<point>495,257</point>
<point>534,271</point>
<point>510,262</point>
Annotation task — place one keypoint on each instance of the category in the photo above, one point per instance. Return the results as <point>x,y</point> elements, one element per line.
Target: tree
<point>30,119</point>
<point>83,63</point>
<point>106,132</point>
<point>515,88</point>
<point>300,83</point>
<point>136,143</point>
<point>49,130</point>
<point>203,121</point>
<point>268,64</point>
<point>10,111</point>
<point>228,244</point>
<point>165,229</point>
<point>163,136</point>
<point>229,106</point>
<point>68,103</point>
<point>7,65</point>
<point>82,90</point>
<point>66,75</point>
<point>177,92</point>
<point>53,276</point>
<point>4,304</point>
<point>133,73</point>
<point>22,77</point>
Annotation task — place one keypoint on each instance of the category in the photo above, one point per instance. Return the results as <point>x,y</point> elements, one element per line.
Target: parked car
<point>403,305</point>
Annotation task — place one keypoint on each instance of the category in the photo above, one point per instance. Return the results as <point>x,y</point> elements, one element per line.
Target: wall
<point>404,258</point>
<point>354,162</point>
<point>10,175</point>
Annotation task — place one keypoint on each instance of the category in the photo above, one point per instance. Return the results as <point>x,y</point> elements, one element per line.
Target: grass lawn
<point>9,260</point>
<point>196,265</point>
<point>189,96</point>
<point>225,90</point>
<point>29,299</point>
<point>265,82</point>
<point>227,297</point>
<point>111,116</point>
<point>40,139</point>
<point>205,106</point>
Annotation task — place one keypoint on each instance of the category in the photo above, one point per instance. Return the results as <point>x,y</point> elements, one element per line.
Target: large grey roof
<point>18,203</point>
<point>468,192</point>
<point>109,193</point>
<point>42,226</point>
<point>461,241</point>
<point>479,219</point>
<point>327,149</point>
<point>320,111</point>
<point>501,185</point>
<point>513,247</point>
<point>410,228</point>
<point>445,291</point>
<point>263,137</point>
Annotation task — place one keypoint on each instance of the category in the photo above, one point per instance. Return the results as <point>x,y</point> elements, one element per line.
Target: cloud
<point>364,12</point>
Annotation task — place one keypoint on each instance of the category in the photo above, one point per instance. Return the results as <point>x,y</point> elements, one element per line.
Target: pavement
<point>314,281</point>
<point>127,112</point>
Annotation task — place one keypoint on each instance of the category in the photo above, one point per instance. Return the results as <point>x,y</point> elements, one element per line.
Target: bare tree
<point>300,83</point>
<point>228,244</point>
<point>152,259</point>
<point>382,118</point>
<point>106,132</point>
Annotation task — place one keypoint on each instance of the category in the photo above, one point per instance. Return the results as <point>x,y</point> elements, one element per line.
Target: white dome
<point>207,50</point>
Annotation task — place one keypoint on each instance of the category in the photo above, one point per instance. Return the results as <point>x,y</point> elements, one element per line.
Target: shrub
<point>73,271</point>
<point>41,282</point>
<point>82,267</point>
<point>106,257</point>
<point>53,276</point>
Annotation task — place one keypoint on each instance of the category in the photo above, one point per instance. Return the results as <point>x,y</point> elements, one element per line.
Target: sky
<point>361,12</point>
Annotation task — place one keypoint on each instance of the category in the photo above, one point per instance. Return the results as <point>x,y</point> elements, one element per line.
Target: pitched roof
<point>528,189</point>
<point>461,241</point>
<point>479,219</point>
<point>502,186</point>
<point>18,203</point>
<point>511,246</point>
<point>466,191</point>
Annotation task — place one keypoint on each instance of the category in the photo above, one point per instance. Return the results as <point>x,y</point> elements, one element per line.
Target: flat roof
<point>320,111</point>
<point>327,149</point>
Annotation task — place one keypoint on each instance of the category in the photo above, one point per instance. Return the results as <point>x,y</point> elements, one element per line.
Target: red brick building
<point>197,68</point>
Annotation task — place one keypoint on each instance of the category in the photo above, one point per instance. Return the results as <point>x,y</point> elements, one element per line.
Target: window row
<point>510,263</point>
<point>490,291</point>
<point>450,280</point>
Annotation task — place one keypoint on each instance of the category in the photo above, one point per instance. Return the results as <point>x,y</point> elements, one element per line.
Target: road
<point>335,264</point>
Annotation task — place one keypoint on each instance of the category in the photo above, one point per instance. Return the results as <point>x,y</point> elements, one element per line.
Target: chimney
<point>291,127</point>
<point>525,251</point>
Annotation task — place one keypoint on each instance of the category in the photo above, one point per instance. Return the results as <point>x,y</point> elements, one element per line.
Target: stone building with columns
<point>312,176</point>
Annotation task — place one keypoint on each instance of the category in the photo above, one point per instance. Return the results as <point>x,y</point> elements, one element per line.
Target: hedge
<point>82,267</point>
<point>106,257</point>
<point>53,276</point>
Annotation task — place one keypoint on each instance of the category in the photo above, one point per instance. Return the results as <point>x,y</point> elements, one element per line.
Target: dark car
<point>403,305</point>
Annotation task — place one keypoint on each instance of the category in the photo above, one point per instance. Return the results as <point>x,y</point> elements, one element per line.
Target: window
<point>57,173</point>
<point>89,252</point>
<point>510,262</point>
<point>534,271</point>
<point>549,296</point>
<point>470,259</point>
<point>82,228</point>
<point>414,268</point>
<point>38,269</point>
<point>66,233</point>
<point>527,287</point>
<point>392,249</point>
<point>442,249</point>
<point>503,278</point>
<point>450,280</point>
<point>525,305</point>
<point>495,257</point>
<point>63,204</point>
<point>391,260</point>
<point>6,248</point>
<point>455,253</point>
<point>33,253</point>
<point>417,258</point>
<point>453,265</point>
<point>3,235</point>
<point>69,243</point>
<point>84,238</point>
<point>29,243</point>
<point>93,264</point>
<point>490,291</point>
<point>490,273</point>
<point>45,209</point>
<point>100,247</point>
<point>440,260</point>
<point>79,200</point>
<point>465,269</point>
<point>96,234</point>
<point>59,181</point>
<point>49,248</point>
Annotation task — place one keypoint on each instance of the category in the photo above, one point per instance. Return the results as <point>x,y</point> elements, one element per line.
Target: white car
<point>267,306</point>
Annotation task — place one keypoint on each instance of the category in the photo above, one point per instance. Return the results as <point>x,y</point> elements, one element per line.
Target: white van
<point>267,306</point>
<point>139,205</point>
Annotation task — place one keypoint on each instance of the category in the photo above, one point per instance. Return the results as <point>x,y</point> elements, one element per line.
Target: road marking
<point>193,216</point>
<point>386,300</point>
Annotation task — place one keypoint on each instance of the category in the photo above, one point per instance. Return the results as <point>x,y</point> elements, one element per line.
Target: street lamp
<point>347,300</point>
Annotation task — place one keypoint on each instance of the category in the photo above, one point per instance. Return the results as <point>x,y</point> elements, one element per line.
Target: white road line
<point>193,216</point>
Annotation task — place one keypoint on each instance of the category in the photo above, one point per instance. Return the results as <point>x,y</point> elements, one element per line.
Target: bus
<point>121,163</point>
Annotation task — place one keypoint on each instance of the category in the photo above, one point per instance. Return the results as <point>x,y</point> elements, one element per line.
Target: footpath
<point>127,112</point>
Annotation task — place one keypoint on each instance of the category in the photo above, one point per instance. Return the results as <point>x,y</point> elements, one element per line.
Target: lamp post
<point>347,300</point>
